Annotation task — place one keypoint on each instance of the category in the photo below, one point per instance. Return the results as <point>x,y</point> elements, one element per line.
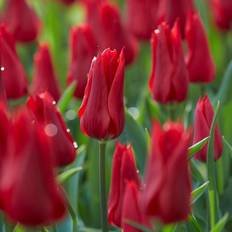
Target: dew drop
<point>75,145</point>
<point>2,69</point>
<point>68,130</point>
<point>53,102</point>
<point>51,130</point>
<point>70,115</point>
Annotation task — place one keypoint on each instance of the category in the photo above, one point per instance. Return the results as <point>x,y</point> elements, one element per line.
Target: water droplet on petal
<point>53,102</point>
<point>70,115</point>
<point>68,130</point>
<point>51,130</point>
<point>2,69</point>
<point>75,145</point>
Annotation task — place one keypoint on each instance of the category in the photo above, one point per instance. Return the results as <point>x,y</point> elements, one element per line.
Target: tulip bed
<point>115,115</point>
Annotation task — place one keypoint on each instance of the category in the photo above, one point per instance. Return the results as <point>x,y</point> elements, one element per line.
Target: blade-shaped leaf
<point>221,224</point>
<point>197,147</point>
<point>195,224</point>
<point>138,226</point>
<point>66,175</point>
<point>227,144</point>
<point>197,193</point>
<point>18,228</point>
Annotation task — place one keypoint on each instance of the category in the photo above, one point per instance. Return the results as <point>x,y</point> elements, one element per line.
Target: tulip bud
<point>202,123</point>
<point>124,169</point>
<point>132,209</point>
<point>222,10</point>
<point>21,20</point>
<point>12,71</point>
<point>167,193</point>
<point>169,77</point>
<point>102,110</point>
<point>28,187</point>
<point>83,48</point>
<point>142,17</point>
<point>44,74</point>
<point>63,146</point>
<point>67,2</point>
<point>199,60</point>
<point>109,31</point>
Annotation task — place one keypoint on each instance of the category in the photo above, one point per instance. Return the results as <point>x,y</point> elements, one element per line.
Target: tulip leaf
<point>226,85</point>
<point>138,226</point>
<point>18,228</point>
<point>66,97</point>
<point>228,145</point>
<point>66,175</point>
<point>197,147</point>
<point>195,224</point>
<point>197,193</point>
<point>221,224</point>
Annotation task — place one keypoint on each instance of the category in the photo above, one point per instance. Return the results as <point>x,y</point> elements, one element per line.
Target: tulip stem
<point>102,185</point>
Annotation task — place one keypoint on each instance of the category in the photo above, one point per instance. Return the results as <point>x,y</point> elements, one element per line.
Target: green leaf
<point>197,147</point>
<point>226,85</point>
<point>66,175</point>
<point>66,97</point>
<point>221,224</point>
<point>138,226</point>
<point>228,145</point>
<point>197,193</point>
<point>18,228</point>
<point>195,223</point>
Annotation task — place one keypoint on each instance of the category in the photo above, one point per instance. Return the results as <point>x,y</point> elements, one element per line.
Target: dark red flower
<point>44,78</point>
<point>123,170</point>
<point>203,119</point>
<point>21,20</point>
<point>12,71</point>
<point>132,210</point>
<point>45,111</point>
<point>109,31</point>
<point>167,193</point>
<point>68,2</point>
<point>83,48</point>
<point>102,110</point>
<point>200,64</point>
<point>169,77</point>
<point>222,10</point>
<point>28,186</point>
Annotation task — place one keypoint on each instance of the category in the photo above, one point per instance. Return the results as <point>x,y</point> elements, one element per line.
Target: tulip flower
<point>142,17</point>
<point>83,48</point>
<point>132,209</point>
<point>124,170</point>
<point>44,74</point>
<point>102,111</point>
<point>203,119</point>
<point>169,77</point>
<point>21,20</point>
<point>167,192</point>
<point>45,111</point>
<point>222,10</point>
<point>200,64</point>
<point>67,2</point>
<point>109,31</point>
<point>12,71</point>
<point>29,191</point>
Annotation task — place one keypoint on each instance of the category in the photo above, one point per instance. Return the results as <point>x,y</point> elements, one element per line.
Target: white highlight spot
<point>75,145</point>
<point>54,102</point>
<point>51,130</point>
<point>68,130</point>
<point>70,115</point>
<point>2,69</point>
<point>134,112</point>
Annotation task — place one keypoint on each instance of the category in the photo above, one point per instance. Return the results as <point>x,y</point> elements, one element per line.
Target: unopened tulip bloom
<point>167,193</point>
<point>12,71</point>
<point>102,110</point>
<point>21,20</point>
<point>203,119</point>
<point>45,111</point>
<point>29,192</point>
<point>169,77</point>
<point>222,10</point>
<point>142,17</point>
<point>132,210</point>
<point>124,170</point>
<point>44,78</point>
<point>83,48</point>
<point>109,30</point>
<point>200,64</point>
<point>68,2</point>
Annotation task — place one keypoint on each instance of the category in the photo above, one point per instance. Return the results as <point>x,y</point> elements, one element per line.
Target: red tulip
<point>102,110</point>
<point>203,119</point>
<point>169,78</point>
<point>177,9</point>
<point>2,87</point>
<point>62,144</point>
<point>167,193</point>
<point>67,2</point>
<point>124,170</point>
<point>109,31</point>
<point>44,74</point>
<point>199,60</point>
<point>222,10</point>
<point>21,20</point>
<point>12,71</point>
<point>132,209</point>
<point>142,17</point>
<point>28,187</point>
<point>83,48</point>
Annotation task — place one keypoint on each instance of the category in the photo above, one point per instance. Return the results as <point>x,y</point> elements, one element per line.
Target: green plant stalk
<point>102,185</point>
<point>220,176</point>
<point>212,189</point>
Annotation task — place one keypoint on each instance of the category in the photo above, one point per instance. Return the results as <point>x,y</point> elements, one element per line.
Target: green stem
<point>102,185</point>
